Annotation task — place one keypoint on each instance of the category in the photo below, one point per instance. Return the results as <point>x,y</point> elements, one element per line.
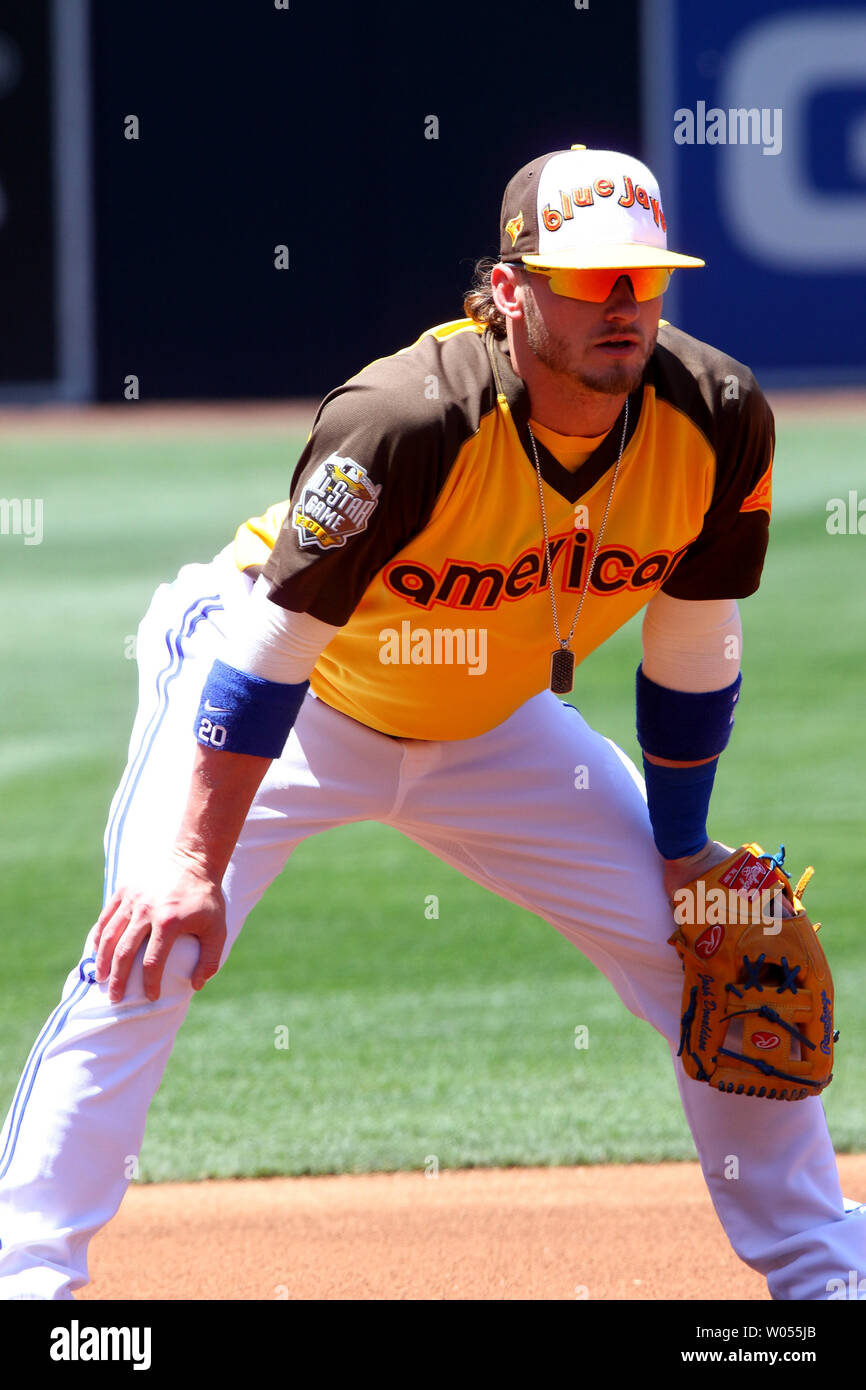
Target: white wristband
<point>269,641</point>
<point>692,646</point>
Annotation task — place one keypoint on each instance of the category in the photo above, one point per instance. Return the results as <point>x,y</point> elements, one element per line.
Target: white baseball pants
<point>503,809</point>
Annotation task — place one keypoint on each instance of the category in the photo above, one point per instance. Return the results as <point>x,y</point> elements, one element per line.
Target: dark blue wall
<point>28,340</point>
<point>307,127</point>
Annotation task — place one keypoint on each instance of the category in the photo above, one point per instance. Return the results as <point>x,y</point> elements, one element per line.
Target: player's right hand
<point>184,901</point>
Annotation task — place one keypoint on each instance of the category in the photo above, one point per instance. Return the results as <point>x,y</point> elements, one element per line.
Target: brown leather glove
<point>758,995</point>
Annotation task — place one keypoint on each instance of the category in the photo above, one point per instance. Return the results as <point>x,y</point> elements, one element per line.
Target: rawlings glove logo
<point>709,942</point>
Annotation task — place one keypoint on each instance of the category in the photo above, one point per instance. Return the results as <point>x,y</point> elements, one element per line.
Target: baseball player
<point>470,518</point>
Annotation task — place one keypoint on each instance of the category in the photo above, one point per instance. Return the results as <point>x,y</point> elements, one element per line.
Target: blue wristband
<point>240,713</point>
<point>678,800</point>
<point>682,726</point>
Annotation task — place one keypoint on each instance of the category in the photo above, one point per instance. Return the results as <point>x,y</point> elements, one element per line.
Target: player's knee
<point>180,964</point>
<point>176,981</point>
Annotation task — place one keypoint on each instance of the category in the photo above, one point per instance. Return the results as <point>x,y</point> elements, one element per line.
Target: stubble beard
<point>615,379</point>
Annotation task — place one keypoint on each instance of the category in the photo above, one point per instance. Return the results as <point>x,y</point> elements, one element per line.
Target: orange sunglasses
<point>647,282</point>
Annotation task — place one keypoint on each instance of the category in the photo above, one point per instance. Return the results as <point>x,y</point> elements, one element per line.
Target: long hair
<point>478,302</point>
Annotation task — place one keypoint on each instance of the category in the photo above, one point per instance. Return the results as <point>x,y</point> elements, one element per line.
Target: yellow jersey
<point>414,524</point>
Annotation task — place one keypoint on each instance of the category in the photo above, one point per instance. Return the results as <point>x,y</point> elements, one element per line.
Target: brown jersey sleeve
<point>726,559</point>
<point>367,480</point>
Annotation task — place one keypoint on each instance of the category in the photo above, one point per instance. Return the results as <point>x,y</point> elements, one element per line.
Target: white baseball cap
<point>586,210</point>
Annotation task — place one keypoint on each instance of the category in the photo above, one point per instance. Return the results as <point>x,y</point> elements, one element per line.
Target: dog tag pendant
<point>562,671</point>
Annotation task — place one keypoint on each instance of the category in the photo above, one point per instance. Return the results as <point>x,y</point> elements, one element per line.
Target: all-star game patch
<point>336,502</point>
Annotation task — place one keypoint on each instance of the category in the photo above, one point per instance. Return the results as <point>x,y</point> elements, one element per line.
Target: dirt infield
<point>618,1232</point>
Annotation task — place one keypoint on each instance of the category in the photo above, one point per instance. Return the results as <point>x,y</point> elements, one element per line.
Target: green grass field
<point>407,1037</point>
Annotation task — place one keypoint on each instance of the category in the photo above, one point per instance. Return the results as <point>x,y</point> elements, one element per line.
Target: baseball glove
<point>758,996</point>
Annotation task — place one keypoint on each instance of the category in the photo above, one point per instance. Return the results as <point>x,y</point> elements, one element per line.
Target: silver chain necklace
<point>562,660</point>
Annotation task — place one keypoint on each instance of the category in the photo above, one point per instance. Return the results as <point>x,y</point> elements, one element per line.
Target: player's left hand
<point>679,872</point>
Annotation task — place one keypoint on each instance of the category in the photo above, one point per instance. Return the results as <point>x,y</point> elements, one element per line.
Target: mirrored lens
<point>647,282</point>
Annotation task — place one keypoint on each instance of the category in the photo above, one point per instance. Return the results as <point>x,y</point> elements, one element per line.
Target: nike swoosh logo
<point>212,709</point>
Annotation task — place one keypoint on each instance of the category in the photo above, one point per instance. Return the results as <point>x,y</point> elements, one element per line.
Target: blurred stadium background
<point>374,145</point>
<point>152,161</point>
